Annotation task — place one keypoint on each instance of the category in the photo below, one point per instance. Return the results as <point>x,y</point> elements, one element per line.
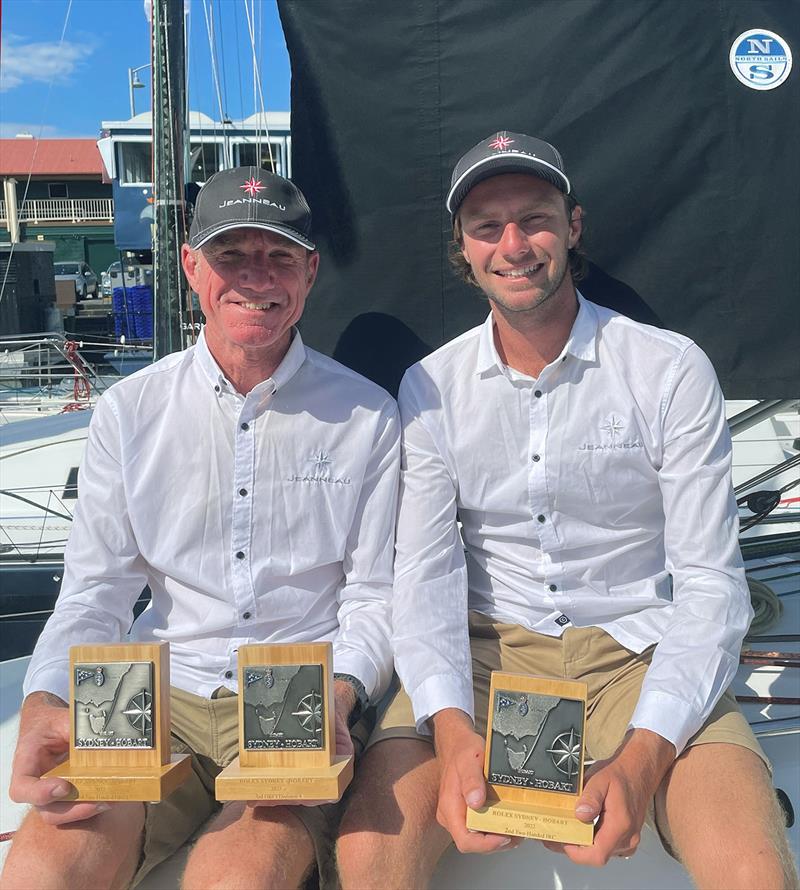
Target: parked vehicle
<point>135,274</point>
<point>81,275</point>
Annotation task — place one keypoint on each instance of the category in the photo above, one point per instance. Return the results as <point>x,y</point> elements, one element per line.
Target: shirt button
<point>228,675</point>
<point>536,458</point>
<point>553,588</point>
<point>242,491</point>
<point>538,394</point>
<point>240,554</point>
<point>245,426</point>
<point>541,517</point>
<point>216,388</point>
<point>246,615</point>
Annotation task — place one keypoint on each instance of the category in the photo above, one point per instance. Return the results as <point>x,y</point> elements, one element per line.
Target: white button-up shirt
<point>259,518</point>
<point>598,494</point>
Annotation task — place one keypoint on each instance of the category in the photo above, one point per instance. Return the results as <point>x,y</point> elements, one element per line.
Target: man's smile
<point>519,273</point>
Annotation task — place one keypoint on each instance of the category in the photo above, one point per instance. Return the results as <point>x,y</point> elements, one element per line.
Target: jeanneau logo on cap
<point>252,187</point>
<point>500,142</point>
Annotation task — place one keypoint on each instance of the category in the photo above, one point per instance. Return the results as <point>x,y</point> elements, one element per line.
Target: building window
<point>267,155</point>
<point>204,160</point>
<point>135,163</point>
<point>57,189</point>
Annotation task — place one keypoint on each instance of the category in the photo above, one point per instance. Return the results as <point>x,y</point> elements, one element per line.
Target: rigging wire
<point>263,114</point>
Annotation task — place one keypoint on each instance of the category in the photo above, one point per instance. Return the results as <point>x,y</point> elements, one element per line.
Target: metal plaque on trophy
<point>120,724</point>
<point>287,736</point>
<point>534,759</point>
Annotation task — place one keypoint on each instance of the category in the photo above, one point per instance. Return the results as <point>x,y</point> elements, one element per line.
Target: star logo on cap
<point>500,142</point>
<point>252,187</point>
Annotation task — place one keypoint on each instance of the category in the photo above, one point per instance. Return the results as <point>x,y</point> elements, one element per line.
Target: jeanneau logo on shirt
<point>321,472</point>
<point>614,428</point>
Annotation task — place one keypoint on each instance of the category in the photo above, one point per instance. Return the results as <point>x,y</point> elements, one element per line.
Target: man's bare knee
<point>101,852</point>
<point>245,847</point>
<point>389,825</point>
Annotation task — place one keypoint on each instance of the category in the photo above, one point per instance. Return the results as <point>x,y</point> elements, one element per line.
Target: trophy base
<point>150,784</point>
<point>283,783</point>
<point>546,823</point>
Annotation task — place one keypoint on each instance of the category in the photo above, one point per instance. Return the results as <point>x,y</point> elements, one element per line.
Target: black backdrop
<point>689,179</point>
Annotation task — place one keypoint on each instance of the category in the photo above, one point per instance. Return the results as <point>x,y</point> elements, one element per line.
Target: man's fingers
<point>590,803</point>
<point>64,813</point>
<point>39,792</point>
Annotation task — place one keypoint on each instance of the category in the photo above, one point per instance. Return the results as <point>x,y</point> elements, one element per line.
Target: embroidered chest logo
<point>614,438</point>
<point>321,472</point>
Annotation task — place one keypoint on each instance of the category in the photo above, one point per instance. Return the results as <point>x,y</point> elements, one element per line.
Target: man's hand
<point>44,743</point>
<point>460,752</point>
<point>618,790</point>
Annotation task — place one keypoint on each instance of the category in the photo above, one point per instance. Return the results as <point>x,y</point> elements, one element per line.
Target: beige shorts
<point>613,674</point>
<point>208,729</point>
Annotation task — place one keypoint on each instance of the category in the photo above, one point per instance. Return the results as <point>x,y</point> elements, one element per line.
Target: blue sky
<point>51,87</point>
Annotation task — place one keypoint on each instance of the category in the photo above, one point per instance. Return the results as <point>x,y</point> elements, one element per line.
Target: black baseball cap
<point>250,197</point>
<point>506,152</point>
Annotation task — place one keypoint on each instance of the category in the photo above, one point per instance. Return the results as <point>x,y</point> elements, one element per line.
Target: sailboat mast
<point>170,144</point>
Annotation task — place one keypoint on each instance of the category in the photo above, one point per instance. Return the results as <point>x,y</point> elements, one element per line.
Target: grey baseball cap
<point>506,152</point>
<point>250,197</point>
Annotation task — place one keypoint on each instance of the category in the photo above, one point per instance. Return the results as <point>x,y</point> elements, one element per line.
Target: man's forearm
<point>649,756</point>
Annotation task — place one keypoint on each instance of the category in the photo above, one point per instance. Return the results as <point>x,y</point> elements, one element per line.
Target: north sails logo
<point>321,474</point>
<point>613,429</point>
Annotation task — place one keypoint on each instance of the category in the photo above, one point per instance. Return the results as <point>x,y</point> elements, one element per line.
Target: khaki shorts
<point>208,730</point>
<point>613,674</point>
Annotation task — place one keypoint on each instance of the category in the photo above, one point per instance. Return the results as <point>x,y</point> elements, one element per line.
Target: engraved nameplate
<point>536,741</point>
<point>284,707</point>
<point>114,705</point>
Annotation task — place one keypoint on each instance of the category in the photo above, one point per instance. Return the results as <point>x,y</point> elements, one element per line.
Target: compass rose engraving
<point>309,712</point>
<point>140,711</point>
<point>565,752</point>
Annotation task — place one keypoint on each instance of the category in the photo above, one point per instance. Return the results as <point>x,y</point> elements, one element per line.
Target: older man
<point>588,460</point>
<point>251,483</point>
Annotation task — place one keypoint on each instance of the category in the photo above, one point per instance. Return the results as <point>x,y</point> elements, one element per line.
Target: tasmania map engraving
<point>536,741</point>
<point>284,707</point>
<point>114,705</point>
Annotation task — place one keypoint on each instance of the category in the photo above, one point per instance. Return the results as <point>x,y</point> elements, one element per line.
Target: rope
<point>767,606</point>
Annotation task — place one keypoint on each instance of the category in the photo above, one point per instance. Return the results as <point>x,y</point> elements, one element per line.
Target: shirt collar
<point>581,344</point>
<point>289,366</point>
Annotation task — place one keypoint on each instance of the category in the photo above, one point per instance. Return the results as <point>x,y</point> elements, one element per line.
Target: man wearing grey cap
<point>251,483</point>
<point>588,461</point>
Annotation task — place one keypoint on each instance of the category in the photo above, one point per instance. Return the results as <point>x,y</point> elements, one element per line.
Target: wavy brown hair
<point>575,256</point>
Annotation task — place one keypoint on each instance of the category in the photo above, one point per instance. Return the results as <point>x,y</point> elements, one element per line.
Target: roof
<point>50,157</point>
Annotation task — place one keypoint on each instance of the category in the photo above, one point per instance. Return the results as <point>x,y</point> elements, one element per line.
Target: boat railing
<point>50,365</point>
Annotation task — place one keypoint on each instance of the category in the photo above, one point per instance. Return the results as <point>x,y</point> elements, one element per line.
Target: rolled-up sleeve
<point>429,614</point>
<point>698,655</point>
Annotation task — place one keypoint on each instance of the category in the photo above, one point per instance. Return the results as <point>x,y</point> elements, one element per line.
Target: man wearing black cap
<point>587,459</point>
<point>251,483</point>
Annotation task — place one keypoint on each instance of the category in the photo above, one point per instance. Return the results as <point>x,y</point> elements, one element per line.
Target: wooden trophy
<point>287,736</point>
<point>534,759</point>
<point>120,728</point>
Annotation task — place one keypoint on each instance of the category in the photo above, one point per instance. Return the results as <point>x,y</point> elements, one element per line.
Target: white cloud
<point>25,62</point>
<point>9,129</point>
